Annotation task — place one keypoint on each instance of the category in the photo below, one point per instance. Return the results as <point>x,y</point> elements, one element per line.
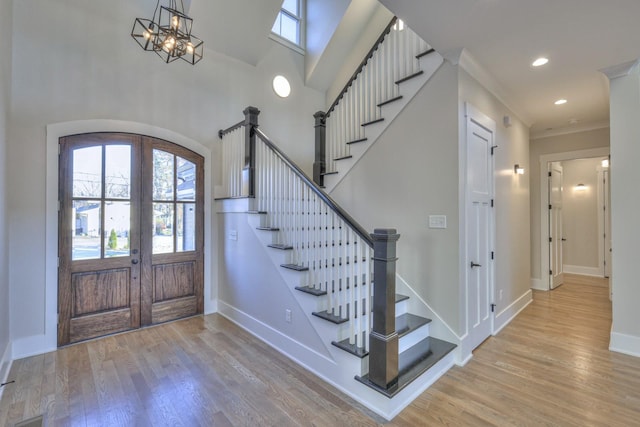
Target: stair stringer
<point>438,327</point>
<point>429,64</point>
<point>327,331</point>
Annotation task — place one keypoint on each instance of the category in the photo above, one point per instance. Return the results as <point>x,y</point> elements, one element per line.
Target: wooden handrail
<point>360,231</point>
<point>223,132</point>
<point>380,39</point>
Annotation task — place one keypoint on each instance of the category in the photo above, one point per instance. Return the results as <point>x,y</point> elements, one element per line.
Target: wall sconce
<point>518,170</point>
<point>581,187</point>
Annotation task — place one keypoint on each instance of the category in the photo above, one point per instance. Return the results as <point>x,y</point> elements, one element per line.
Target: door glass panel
<point>162,175</point>
<point>117,226</point>
<point>186,227</point>
<point>162,228</point>
<point>87,172</point>
<point>86,229</point>
<point>186,183</point>
<point>117,171</point>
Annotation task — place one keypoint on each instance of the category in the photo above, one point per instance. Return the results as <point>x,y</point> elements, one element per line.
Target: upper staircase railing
<point>393,59</point>
<point>338,256</point>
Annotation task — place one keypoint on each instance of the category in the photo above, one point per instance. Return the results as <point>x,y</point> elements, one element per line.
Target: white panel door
<point>555,226</point>
<point>479,227</point>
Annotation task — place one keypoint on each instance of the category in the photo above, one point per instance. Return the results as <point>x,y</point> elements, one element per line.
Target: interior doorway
<point>578,218</point>
<point>130,233</point>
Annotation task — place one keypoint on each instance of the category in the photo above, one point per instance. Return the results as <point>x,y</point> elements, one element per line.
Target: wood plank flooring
<point>550,366</point>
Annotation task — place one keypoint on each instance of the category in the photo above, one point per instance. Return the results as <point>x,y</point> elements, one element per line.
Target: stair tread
<point>425,53</point>
<point>423,355</point>
<point>330,317</point>
<point>389,101</point>
<point>400,298</point>
<point>268,228</point>
<point>311,290</point>
<point>280,246</point>
<point>295,267</point>
<point>343,158</point>
<point>356,141</point>
<point>408,322</point>
<point>409,77</point>
<point>351,348</point>
<point>372,122</point>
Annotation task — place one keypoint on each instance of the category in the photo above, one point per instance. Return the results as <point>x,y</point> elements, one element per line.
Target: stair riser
<point>412,338</point>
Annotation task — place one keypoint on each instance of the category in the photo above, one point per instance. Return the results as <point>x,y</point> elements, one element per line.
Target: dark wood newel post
<point>383,339</point>
<point>249,168</point>
<point>319,164</point>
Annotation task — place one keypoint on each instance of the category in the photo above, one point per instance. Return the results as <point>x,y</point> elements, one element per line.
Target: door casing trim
<point>48,341</point>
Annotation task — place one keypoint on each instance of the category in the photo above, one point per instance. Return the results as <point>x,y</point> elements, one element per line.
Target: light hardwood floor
<point>550,366</point>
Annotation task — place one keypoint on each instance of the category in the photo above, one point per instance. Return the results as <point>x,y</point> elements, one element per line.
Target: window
<point>289,22</point>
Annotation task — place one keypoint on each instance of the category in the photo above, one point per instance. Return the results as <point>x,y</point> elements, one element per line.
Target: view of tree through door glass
<point>174,203</point>
<point>101,202</point>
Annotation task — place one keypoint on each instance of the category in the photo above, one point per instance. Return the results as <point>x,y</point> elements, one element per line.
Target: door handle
<point>473,264</point>
<point>564,240</point>
<point>134,261</point>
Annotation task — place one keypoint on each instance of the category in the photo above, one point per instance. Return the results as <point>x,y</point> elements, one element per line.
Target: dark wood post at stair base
<point>249,168</point>
<point>383,339</point>
<point>319,164</point>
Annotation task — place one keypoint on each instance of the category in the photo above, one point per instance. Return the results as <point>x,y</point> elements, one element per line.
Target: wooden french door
<point>130,234</point>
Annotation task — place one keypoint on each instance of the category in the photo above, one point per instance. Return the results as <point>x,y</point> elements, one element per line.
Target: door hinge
<point>550,207</point>
<point>492,255</point>
<point>493,308</point>
<point>491,202</point>
<point>550,272</point>
<point>493,148</point>
<point>58,261</point>
<point>549,173</point>
<point>550,239</point>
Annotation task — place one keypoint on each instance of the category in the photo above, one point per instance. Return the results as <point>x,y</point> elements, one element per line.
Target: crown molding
<point>465,60</point>
<point>621,70</point>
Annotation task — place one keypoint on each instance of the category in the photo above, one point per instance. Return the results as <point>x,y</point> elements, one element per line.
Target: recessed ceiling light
<point>560,101</point>
<point>281,86</point>
<point>539,62</point>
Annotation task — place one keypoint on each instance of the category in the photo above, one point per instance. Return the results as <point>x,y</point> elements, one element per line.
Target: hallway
<point>550,366</point>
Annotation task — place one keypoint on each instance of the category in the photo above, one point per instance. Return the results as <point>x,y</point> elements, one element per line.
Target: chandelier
<point>170,36</point>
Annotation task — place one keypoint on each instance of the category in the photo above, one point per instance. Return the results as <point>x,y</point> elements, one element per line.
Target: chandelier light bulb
<point>175,21</point>
<point>190,48</point>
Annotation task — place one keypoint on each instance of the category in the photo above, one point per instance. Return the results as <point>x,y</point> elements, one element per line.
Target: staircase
<point>327,260</point>
<point>398,65</point>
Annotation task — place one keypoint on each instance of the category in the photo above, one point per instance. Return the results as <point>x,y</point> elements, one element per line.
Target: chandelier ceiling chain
<point>170,36</point>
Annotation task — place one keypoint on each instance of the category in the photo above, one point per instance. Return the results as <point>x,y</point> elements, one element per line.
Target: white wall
<point>598,138</point>
<point>512,245</point>
<point>5,84</point>
<point>410,173</point>
<point>92,69</point>
<point>625,204</point>
<point>580,215</point>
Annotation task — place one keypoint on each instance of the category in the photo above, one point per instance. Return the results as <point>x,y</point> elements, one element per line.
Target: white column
<point>625,205</point>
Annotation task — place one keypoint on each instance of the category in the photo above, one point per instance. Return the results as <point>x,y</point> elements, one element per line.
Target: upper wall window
<point>289,24</point>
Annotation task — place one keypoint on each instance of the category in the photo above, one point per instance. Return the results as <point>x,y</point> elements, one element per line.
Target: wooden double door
<point>130,234</point>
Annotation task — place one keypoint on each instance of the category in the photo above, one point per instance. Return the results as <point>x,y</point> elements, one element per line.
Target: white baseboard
<point>584,271</point>
<point>5,366</point>
<point>539,285</point>
<point>503,318</point>
<point>626,344</point>
<point>31,346</point>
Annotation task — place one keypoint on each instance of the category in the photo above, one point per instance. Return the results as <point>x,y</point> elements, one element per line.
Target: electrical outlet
<point>287,315</point>
<point>233,234</point>
<point>500,295</point>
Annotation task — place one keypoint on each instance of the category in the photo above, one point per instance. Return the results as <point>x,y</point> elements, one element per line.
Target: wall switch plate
<point>233,235</point>
<point>437,221</point>
<point>287,315</point>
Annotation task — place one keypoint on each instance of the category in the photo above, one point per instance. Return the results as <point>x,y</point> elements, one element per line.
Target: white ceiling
<point>579,37</point>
